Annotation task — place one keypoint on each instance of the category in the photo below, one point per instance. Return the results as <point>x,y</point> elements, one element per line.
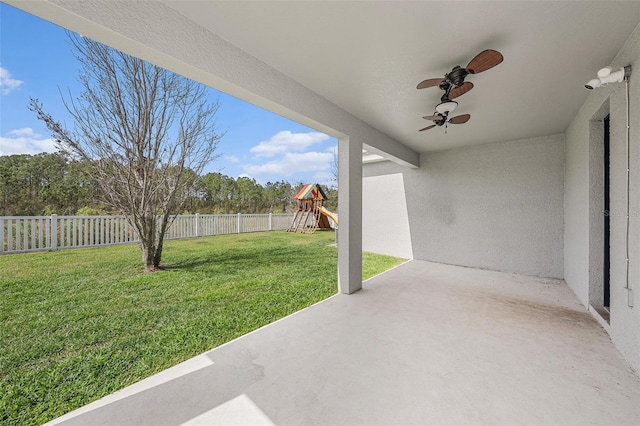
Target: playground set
<point>311,214</point>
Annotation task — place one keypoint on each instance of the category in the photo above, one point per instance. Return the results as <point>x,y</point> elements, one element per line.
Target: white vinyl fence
<point>36,233</point>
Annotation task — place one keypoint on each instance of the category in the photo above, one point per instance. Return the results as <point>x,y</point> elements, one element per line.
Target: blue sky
<point>35,61</point>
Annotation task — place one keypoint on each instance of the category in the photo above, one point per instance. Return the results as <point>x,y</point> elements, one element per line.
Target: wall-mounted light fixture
<point>607,75</point>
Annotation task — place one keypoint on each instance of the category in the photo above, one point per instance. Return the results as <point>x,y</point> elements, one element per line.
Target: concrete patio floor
<point>421,344</point>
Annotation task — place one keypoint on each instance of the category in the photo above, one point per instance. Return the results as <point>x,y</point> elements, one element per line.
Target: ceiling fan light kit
<point>453,85</point>
<point>446,107</point>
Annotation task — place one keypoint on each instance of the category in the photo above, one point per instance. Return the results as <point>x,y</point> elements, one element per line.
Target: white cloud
<point>8,84</point>
<point>292,163</point>
<point>25,131</point>
<point>285,142</point>
<point>25,141</point>
<point>231,158</point>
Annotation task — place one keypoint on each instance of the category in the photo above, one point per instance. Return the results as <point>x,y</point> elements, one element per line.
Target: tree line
<point>48,183</point>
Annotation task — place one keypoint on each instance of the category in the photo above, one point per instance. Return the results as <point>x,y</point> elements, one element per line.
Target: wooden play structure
<point>311,214</point>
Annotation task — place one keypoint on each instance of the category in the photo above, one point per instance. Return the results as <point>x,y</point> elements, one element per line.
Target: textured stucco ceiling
<point>367,57</point>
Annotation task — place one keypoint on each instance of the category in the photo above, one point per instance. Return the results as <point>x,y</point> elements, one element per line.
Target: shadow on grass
<point>257,257</point>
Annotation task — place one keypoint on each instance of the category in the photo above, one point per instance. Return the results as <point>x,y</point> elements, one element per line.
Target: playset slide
<point>329,214</point>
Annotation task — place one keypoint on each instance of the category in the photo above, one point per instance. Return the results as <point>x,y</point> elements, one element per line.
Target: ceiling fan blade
<point>427,128</point>
<point>460,119</point>
<point>484,60</point>
<point>459,91</point>
<point>433,117</point>
<point>429,83</point>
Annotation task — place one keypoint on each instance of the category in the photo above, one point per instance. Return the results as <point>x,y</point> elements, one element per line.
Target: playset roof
<point>311,191</point>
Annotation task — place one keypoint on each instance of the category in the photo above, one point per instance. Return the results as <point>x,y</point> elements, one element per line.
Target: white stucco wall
<point>583,208</point>
<point>385,222</point>
<point>496,206</point>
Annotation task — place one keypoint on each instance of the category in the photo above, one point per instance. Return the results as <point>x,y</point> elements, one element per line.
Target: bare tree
<point>146,132</point>
<point>335,168</point>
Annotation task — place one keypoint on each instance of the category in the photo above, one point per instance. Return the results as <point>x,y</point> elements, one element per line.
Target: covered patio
<point>424,343</point>
<point>520,188</point>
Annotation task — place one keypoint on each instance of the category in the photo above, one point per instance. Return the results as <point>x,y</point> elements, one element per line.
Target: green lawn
<point>80,324</point>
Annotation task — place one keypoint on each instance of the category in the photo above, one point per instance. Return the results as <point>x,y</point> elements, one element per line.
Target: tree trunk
<point>158,255</point>
<point>164,225</point>
<point>148,256</point>
<point>147,243</point>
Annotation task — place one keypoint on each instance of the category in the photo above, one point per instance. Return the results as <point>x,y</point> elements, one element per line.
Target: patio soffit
<point>367,58</point>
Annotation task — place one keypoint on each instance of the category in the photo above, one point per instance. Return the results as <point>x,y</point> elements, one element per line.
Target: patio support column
<point>350,215</point>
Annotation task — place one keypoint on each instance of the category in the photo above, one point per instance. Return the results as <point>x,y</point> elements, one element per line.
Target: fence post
<point>239,220</point>
<point>54,232</point>
<point>270,221</point>
<point>197,222</point>
<point>1,235</point>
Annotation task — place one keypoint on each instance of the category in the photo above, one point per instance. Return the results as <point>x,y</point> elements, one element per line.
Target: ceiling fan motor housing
<point>456,76</point>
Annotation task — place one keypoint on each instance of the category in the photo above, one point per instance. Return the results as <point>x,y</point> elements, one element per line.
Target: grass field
<point>80,324</point>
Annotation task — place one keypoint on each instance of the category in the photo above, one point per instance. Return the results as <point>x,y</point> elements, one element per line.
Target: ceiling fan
<point>453,82</point>
<point>442,120</point>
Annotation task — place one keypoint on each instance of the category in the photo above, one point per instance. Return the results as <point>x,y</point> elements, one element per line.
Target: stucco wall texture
<point>497,206</point>
<point>536,207</point>
<point>385,216</point>
<point>583,205</point>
